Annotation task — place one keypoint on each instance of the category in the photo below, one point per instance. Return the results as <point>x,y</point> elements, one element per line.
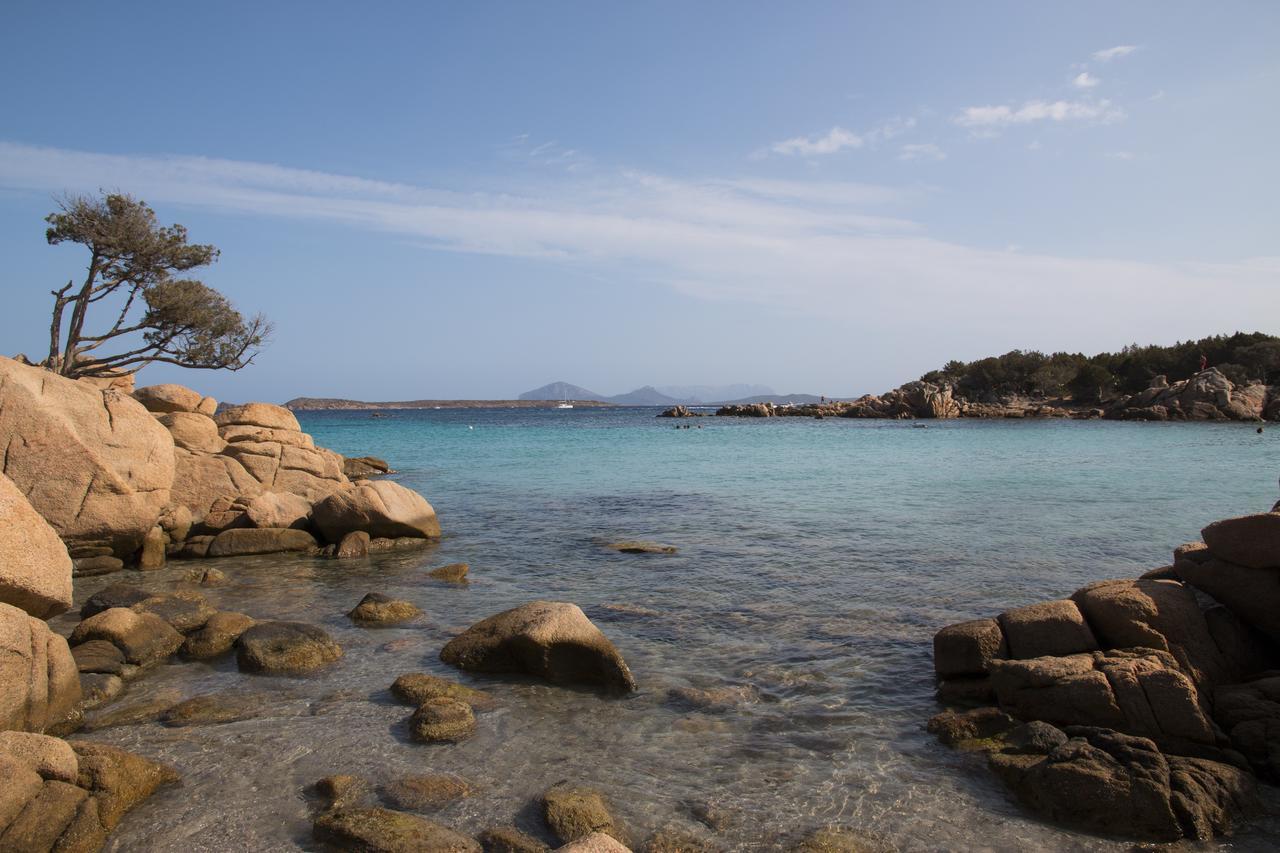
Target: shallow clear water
<point>817,559</point>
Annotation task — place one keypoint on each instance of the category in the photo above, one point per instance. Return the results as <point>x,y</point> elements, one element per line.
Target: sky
<point>449,200</point>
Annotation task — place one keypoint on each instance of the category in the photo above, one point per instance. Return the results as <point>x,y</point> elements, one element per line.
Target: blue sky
<point>470,200</point>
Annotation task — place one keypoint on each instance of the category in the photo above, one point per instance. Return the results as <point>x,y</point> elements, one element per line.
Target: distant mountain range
<point>670,395</point>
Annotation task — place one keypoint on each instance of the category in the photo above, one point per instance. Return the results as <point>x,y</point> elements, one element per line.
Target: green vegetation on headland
<point>1224,377</point>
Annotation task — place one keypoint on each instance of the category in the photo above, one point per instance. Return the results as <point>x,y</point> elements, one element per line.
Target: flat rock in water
<point>425,793</point>
<point>98,688</point>
<point>115,595</point>
<point>388,831</point>
<point>185,610</point>
<point>285,647</point>
<point>442,719</point>
<point>378,609</point>
<point>634,546</point>
<point>214,708</point>
<point>452,573</point>
<point>245,541</point>
<point>414,688</point>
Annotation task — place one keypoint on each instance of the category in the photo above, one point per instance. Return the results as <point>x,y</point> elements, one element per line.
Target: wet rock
<point>715,699</point>
<point>35,570</point>
<point>361,467</point>
<point>39,684</point>
<point>672,839</point>
<point>244,541</point>
<point>549,639</point>
<point>837,839</point>
<point>442,719</point>
<point>207,577</point>
<point>414,688</point>
<point>596,842</point>
<point>378,609</point>
<point>710,815</point>
<point>354,545</point>
<point>217,636</point>
<point>98,656</point>
<point>119,780</point>
<point>1141,692</point>
<point>508,839</point>
<point>1103,781</point>
<point>39,825</point>
<point>956,727</point>
<point>215,708</point>
<point>1050,628</point>
<point>186,611</point>
<point>1252,541</point>
<point>285,647</point>
<point>115,595</point>
<point>144,638</point>
<point>381,509</point>
<point>88,567</point>
<point>452,573</point>
<point>965,649</point>
<point>387,831</point>
<point>425,793</point>
<point>131,713</point>
<point>51,757</point>
<point>633,546</point>
<point>341,790</point>
<point>574,812</point>
<point>98,688</point>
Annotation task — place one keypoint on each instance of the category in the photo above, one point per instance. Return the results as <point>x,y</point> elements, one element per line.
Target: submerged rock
<point>596,842</point>
<point>442,719</point>
<point>550,639</point>
<point>414,688</point>
<point>341,790</point>
<point>837,839</point>
<point>452,573</point>
<point>285,647</point>
<point>672,839</point>
<point>386,831</point>
<point>425,793</point>
<point>213,708</point>
<point>378,609</point>
<point>508,839</point>
<point>632,546</point>
<point>575,812</point>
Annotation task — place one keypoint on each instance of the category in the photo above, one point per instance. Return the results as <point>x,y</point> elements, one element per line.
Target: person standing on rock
<point>1204,362</point>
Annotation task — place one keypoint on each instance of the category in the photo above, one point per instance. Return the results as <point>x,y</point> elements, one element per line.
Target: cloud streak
<point>1003,115</point>
<point>807,249</point>
<point>1117,52</point>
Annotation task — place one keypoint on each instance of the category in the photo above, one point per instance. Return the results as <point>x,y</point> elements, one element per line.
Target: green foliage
<point>132,263</point>
<point>1242,357</point>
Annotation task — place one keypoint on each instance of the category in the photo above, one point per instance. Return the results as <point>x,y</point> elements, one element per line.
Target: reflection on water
<point>816,560</point>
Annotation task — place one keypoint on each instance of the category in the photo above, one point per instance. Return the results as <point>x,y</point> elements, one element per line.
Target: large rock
<point>35,570</point>
<point>1119,785</point>
<point>574,812</point>
<point>381,509</point>
<point>1252,541</point>
<point>550,639</point>
<point>143,638</point>
<point>244,541</point>
<point>39,681</point>
<point>258,415</point>
<point>1252,594</point>
<point>285,647</point>
<point>1156,614</point>
<point>168,398</point>
<point>192,431</point>
<point>1051,628</point>
<point>1140,691</point>
<point>376,830</point>
<point>95,464</point>
<point>961,656</point>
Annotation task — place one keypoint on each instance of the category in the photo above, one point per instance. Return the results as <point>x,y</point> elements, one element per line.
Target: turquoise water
<point>816,560</point>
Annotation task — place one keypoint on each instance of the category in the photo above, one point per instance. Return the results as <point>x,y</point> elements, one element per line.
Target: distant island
<point>1224,377</point>
<point>673,395</point>
<point>318,404</point>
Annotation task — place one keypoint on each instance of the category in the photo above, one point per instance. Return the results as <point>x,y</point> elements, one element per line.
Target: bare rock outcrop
<point>39,683</point>
<point>35,570</point>
<point>94,463</point>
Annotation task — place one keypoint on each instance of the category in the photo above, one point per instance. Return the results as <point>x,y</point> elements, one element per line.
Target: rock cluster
<point>130,479</point>
<point>1154,698</point>
<point>679,412</point>
<point>1206,396</point>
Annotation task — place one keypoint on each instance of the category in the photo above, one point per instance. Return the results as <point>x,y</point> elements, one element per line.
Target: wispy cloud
<point>1085,80</point>
<point>1119,155</point>
<point>809,249</point>
<point>921,151</point>
<point>1034,111</point>
<point>1110,53</point>
<point>839,138</point>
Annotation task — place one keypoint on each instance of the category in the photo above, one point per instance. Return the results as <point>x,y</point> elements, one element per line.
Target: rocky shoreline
<point>1145,708</point>
<point>1206,396</point>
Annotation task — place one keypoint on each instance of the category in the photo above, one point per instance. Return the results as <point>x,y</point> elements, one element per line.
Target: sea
<point>815,561</point>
